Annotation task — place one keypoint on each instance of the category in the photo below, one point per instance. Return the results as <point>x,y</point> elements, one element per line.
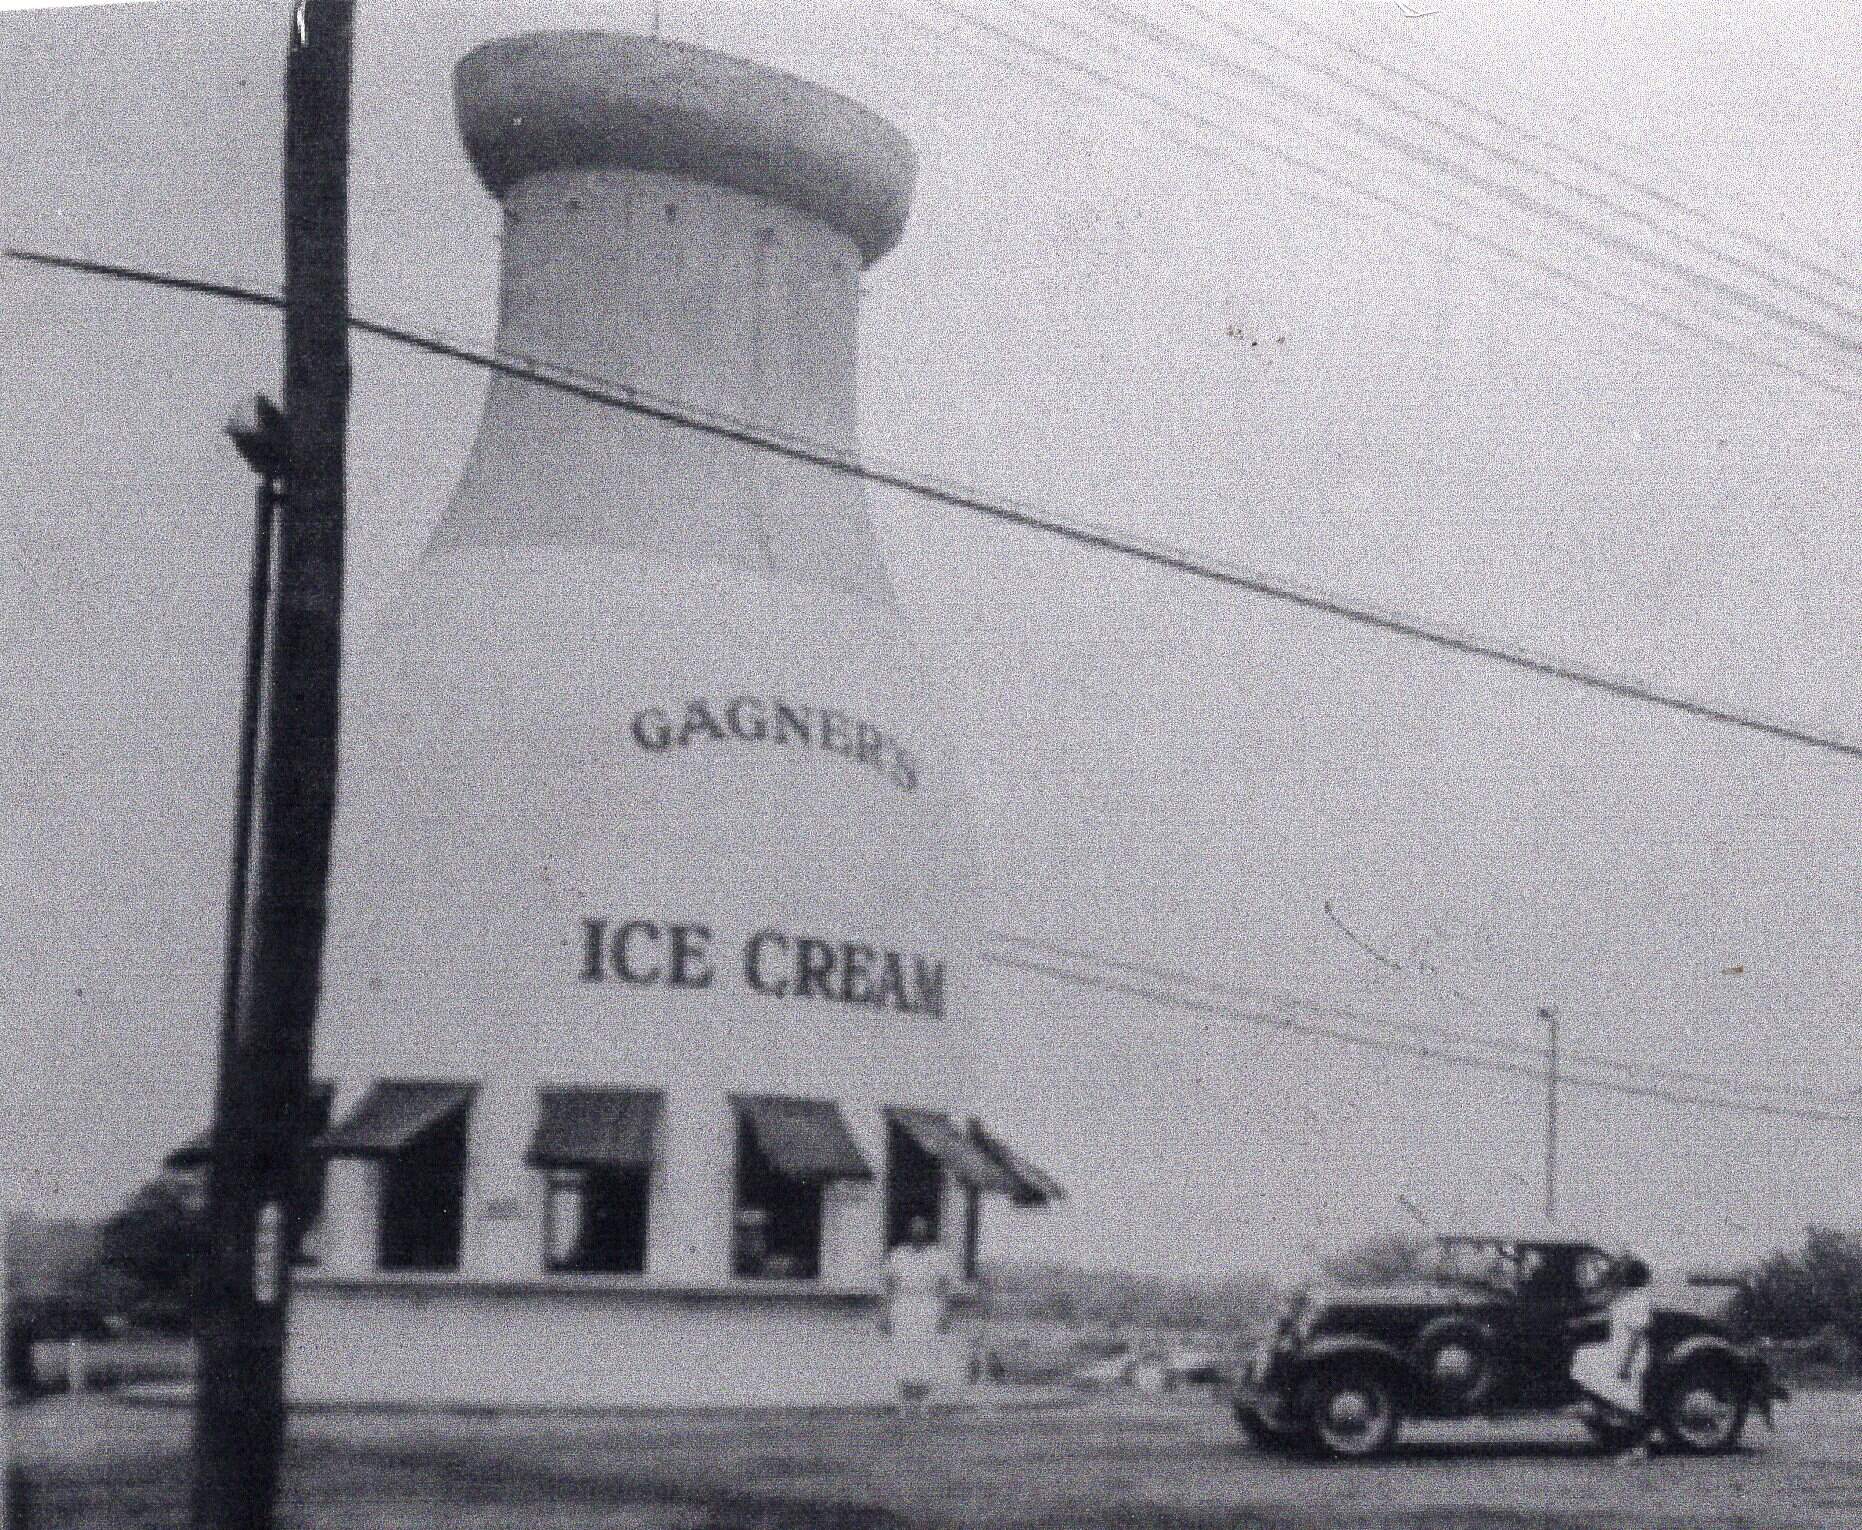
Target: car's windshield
<point>1561,1272</point>
<point>1492,1265</point>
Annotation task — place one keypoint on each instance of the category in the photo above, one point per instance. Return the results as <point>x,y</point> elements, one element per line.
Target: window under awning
<point>395,1114</point>
<point>596,1128</point>
<point>803,1138</point>
<point>197,1151</point>
<point>1033,1186</point>
<point>938,1135</point>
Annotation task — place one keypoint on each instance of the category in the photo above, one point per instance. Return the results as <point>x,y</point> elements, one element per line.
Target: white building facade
<point>653,901</point>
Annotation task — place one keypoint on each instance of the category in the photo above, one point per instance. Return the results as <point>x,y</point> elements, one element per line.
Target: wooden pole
<point>262,1113</point>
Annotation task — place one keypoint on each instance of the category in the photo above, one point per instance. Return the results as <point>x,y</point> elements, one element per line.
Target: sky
<point>1256,325</point>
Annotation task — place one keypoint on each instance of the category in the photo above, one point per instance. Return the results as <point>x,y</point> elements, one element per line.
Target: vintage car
<point>1487,1329</point>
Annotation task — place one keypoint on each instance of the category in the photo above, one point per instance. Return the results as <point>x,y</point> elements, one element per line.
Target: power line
<point>836,460</point>
<point>1586,162</point>
<point>1365,129</point>
<point>1161,555</point>
<point>1159,121</point>
<point>1407,1048</point>
<point>1124,19</point>
<point>1496,258</point>
<point>1425,968</point>
<point>1450,1034</point>
<point>955,43</point>
<point>644,405</point>
<point>1515,194</point>
<point>1661,316</point>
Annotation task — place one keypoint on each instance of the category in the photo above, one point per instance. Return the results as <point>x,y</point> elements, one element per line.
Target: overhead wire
<point>608,393</point>
<point>1123,18</point>
<point>1403,1046</point>
<point>1513,1046</point>
<point>961,43</point>
<point>1329,37</point>
<point>612,394</point>
<point>1159,119</point>
<point>1512,192</point>
<point>1428,971</point>
<point>1706,338</point>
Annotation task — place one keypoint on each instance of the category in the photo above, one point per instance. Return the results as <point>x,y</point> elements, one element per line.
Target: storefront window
<point>596,1219</point>
<point>777,1224</point>
<point>423,1200</point>
<point>914,1185</point>
<point>415,1131</point>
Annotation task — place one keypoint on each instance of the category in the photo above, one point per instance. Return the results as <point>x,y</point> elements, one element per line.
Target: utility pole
<point>262,1113</point>
<point>1550,1017</point>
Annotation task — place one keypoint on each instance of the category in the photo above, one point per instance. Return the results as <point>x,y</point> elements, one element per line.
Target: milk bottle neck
<point>712,299</point>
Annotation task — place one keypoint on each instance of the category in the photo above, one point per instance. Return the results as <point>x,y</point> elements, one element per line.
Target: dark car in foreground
<point>1489,1331</point>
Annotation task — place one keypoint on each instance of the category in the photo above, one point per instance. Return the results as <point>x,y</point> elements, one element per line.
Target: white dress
<point>918,1283</point>
<point>1597,1368</point>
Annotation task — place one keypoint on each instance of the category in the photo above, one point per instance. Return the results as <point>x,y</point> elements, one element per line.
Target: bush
<point>1813,1291</point>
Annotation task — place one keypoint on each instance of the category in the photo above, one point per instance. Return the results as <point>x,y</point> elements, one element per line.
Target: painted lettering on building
<point>652,953</point>
<point>768,720</point>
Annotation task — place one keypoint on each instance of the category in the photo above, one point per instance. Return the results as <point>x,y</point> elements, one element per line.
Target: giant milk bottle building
<point>648,965</point>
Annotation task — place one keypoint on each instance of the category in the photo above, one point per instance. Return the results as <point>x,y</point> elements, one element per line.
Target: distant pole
<point>1550,1017</point>
<point>262,1108</point>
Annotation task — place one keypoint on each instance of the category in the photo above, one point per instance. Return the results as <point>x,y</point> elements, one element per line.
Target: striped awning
<point>938,1135</point>
<point>804,1138</point>
<point>596,1128</point>
<point>1033,1186</point>
<point>198,1149</point>
<point>395,1114</point>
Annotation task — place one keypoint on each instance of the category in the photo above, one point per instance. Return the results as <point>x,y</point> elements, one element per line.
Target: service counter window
<point>924,1150</point>
<point>596,1219</point>
<point>914,1183</point>
<point>415,1130</point>
<point>598,1148</point>
<point>788,1151</point>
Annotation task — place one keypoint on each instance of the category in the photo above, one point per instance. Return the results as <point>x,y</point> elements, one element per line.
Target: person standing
<point>1613,1372</point>
<point>917,1316</point>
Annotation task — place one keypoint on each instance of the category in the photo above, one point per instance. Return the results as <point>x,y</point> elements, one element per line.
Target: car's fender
<point>1695,1346</point>
<point>1709,1345</point>
<point>1343,1348</point>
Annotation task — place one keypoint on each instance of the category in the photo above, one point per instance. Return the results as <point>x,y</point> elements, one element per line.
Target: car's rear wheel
<point>1702,1407</point>
<point>1351,1412</point>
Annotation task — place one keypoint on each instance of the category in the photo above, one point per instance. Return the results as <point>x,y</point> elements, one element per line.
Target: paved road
<point>1115,1461</point>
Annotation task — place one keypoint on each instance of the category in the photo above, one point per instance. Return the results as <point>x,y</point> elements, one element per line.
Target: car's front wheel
<point>1702,1407</point>
<point>1610,1433</point>
<point>1261,1432</point>
<point>1351,1412</point>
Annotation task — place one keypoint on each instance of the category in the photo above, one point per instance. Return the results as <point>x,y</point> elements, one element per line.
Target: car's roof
<point>1562,1237</point>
